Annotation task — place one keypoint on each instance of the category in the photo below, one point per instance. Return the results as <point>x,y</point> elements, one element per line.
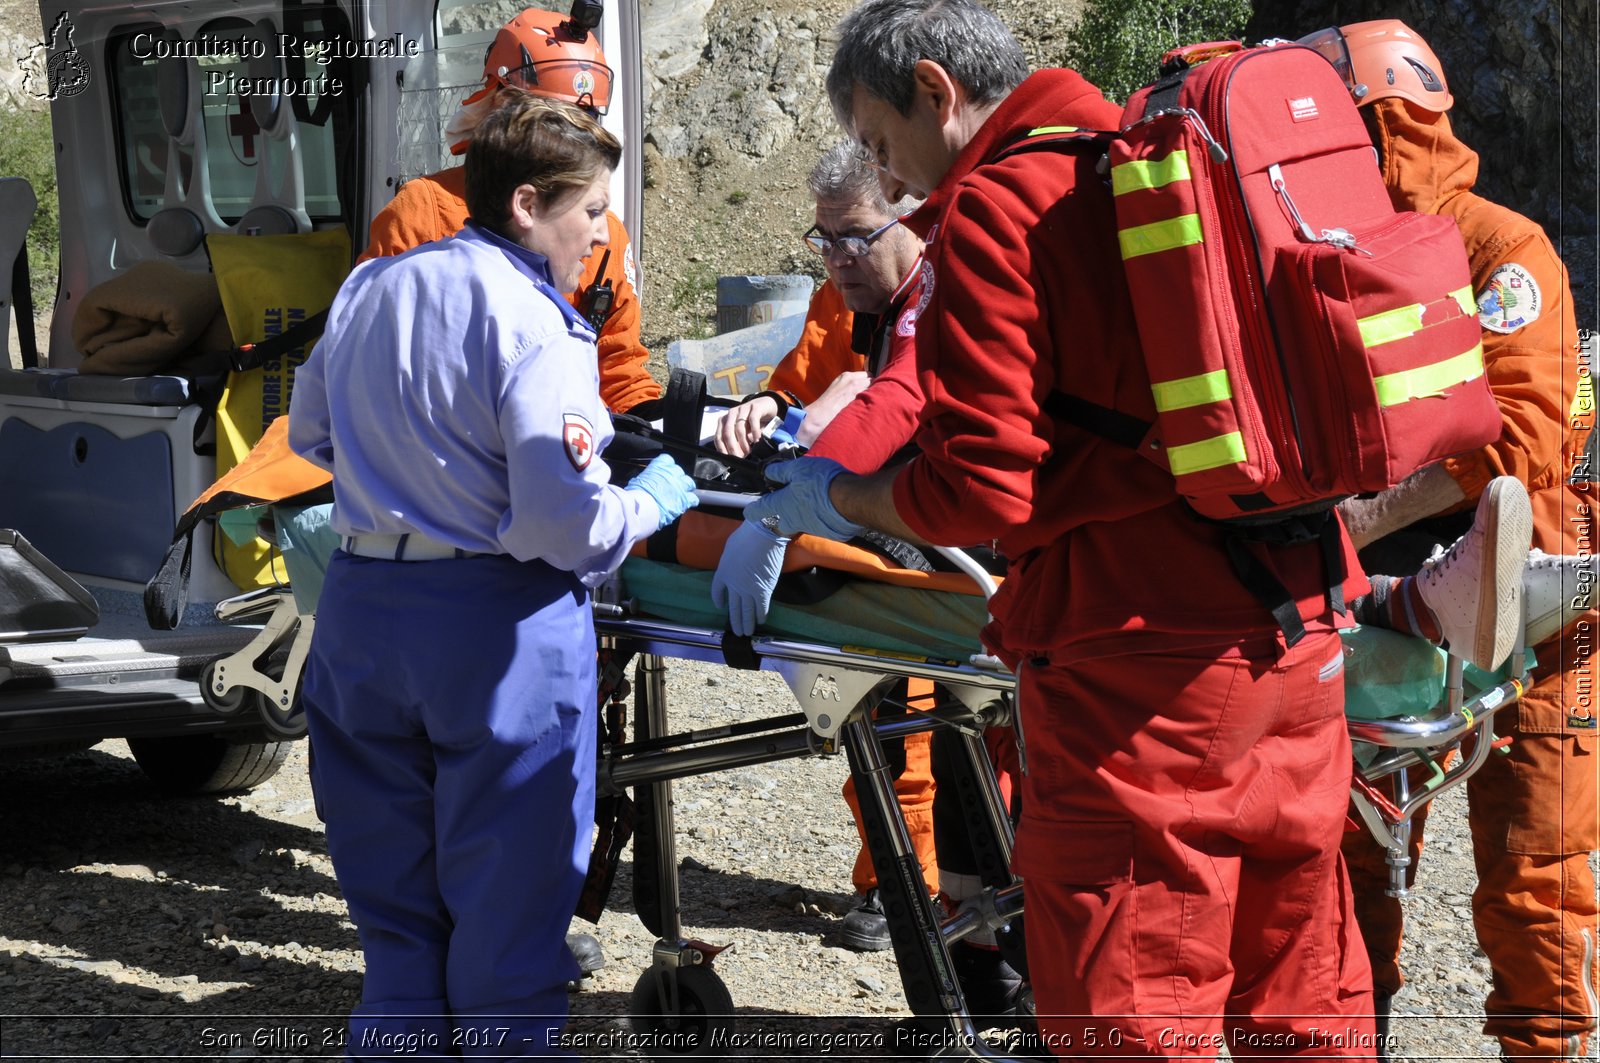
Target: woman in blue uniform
<point>450,688</point>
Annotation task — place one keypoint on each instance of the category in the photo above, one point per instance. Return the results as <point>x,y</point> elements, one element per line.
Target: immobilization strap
<point>301,334</point>
<point>687,452</point>
<point>614,814</point>
<point>680,418</point>
<point>167,593</point>
<point>738,652</point>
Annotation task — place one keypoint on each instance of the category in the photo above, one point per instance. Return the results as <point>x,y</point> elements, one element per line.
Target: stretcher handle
<point>739,500</point>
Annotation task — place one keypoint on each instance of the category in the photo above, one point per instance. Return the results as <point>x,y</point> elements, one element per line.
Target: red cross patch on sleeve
<point>578,434</point>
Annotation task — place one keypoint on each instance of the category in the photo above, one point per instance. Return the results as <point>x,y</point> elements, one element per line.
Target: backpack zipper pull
<point>1218,153</point>
<point>1338,237</point>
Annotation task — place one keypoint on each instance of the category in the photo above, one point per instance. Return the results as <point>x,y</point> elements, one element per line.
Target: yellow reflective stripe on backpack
<point>1189,391</point>
<point>1403,321</point>
<point>1149,173</point>
<point>1046,130</point>
<point>1426,381</point>
<point>1390,325</point>
<point>1160,236</point>
<point>1210,453</point>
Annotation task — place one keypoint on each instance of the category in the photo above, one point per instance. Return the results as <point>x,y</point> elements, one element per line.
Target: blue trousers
<point>451,707</point>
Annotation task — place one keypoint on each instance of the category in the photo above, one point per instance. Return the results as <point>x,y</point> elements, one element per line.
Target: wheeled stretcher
<point>1410,706</point>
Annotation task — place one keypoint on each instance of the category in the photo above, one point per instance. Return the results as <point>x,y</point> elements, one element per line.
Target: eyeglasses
<point>853,246</point>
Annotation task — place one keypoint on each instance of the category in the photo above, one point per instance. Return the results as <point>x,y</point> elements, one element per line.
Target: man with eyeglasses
<point>872,263</point>
<point>860,329</point>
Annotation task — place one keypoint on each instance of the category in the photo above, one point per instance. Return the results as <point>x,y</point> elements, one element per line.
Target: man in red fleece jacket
<point>1187,771</point>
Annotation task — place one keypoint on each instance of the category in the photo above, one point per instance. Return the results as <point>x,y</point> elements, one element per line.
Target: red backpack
<point>1305,341</point>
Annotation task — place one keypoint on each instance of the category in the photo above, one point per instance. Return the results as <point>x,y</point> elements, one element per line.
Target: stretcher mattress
<point>862,613</point>
<point>1387,674</point>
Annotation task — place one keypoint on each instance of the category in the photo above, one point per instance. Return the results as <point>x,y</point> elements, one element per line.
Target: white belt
<point>412,546</point>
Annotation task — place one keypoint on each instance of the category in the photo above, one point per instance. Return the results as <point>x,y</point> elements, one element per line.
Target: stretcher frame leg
<point>679,992</point>
<point>921,938</point>
<point>1408,741</point>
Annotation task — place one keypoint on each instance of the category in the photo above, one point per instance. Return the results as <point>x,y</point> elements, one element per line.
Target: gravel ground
<point>133,925</point>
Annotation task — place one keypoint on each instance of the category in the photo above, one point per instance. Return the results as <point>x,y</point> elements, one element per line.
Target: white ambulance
<point>184,127</point>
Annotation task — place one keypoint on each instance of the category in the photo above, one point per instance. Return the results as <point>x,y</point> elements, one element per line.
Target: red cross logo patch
<point>578,434</point>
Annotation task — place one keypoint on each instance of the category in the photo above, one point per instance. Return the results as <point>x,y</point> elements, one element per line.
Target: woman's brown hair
<point>532,140</point>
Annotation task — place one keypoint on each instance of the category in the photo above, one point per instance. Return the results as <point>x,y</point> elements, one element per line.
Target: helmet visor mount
<point>586,84</point>
<point>1330,44</point>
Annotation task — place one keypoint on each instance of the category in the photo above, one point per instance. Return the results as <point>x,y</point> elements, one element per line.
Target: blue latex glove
<point>751,562</point>
<point>670,487</point>
<point>804,505</point>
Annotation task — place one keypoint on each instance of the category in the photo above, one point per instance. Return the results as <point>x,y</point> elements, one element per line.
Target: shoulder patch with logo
<point>1510,300</point>
<point>629,270</point>
<point>578,435</point>
<point>906,323</point>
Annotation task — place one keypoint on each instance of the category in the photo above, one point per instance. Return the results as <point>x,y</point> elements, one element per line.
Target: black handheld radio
<point>598,297</point>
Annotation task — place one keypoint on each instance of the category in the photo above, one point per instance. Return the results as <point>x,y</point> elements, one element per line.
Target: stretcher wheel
<point>225,704</point>
<point>281,721</point>
<point>703,1021</point>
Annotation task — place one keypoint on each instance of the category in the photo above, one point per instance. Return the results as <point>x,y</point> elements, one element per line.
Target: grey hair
<point>843,176</point>
<point>881,42</point>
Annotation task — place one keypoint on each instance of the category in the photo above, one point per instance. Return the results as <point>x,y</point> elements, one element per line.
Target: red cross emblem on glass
<point>243,125</point>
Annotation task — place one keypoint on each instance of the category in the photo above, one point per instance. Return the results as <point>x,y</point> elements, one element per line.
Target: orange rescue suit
<point>1533,811</point>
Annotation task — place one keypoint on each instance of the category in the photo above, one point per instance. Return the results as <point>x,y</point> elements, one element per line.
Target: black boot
<point>866,928</point>
<point>991,986</point>
<point>590,956</point>
<point>1380,1021</point>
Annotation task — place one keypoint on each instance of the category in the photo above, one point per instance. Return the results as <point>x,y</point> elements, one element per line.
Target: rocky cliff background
<point>736,115</point>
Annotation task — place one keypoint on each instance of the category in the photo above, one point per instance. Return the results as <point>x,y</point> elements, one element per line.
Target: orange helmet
<point>542,52</point>
<point>1382,59</point>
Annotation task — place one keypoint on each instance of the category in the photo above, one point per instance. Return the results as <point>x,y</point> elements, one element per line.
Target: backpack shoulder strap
<point>1063,138</point>
<point>1120,428</point>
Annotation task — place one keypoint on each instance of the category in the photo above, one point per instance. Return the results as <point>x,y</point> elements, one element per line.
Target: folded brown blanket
<point>151,318</point>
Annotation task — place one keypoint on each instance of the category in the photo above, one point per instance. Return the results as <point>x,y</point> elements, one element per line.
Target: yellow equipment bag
<point>268,285</point>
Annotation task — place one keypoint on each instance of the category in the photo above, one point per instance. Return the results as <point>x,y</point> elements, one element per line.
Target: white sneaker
<point>1556,590</point>
<point>1475,587</point>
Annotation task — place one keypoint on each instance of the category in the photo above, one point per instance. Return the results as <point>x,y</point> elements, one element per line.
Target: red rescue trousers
<point>1179,844</point>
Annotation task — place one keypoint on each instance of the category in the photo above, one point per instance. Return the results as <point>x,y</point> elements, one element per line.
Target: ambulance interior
<point>180,126</point>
